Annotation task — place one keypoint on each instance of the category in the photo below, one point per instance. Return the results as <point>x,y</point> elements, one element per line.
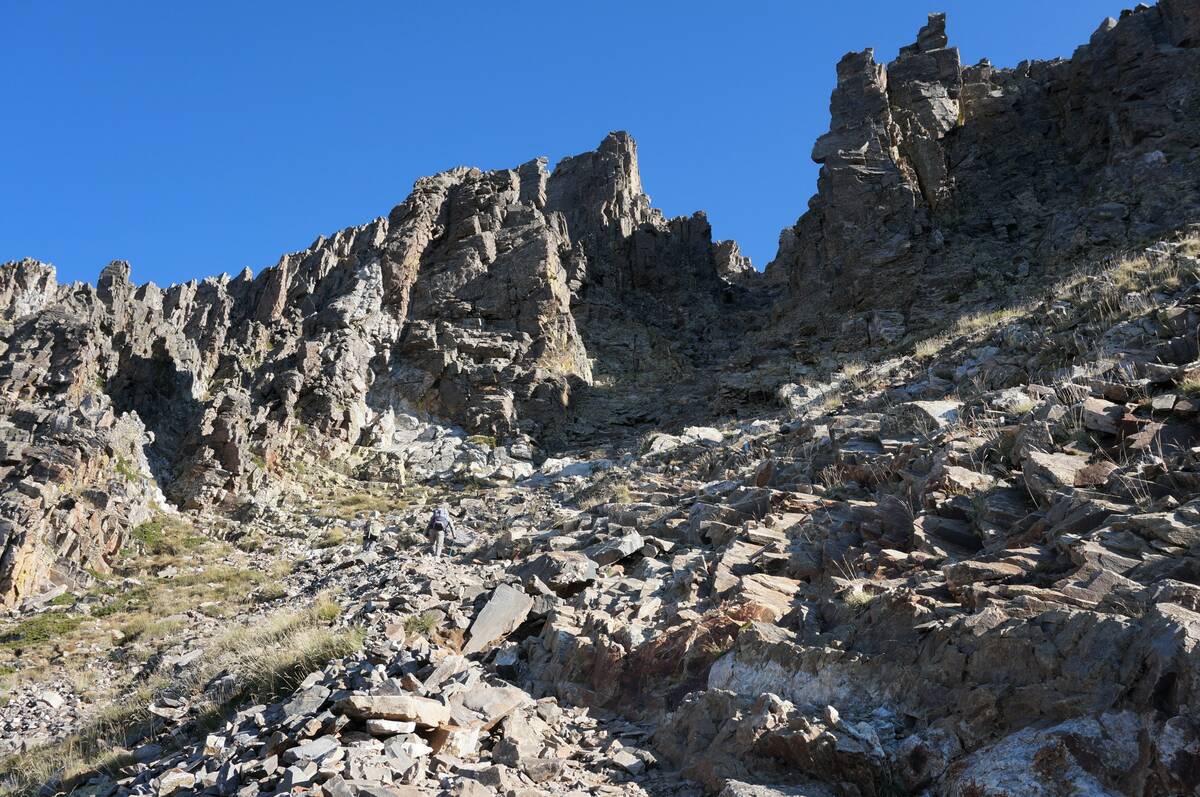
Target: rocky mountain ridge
<point>945,183</point>
<point>482,300</point>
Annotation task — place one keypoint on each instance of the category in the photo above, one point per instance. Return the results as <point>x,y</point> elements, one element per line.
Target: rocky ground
<point>963,568</point>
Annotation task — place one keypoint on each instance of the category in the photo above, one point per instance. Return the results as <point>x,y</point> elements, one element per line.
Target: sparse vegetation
<point>124,468</point>
<point>349,505</point>
<point>1022,407</point>
<point>610,489</point>
<point>422,624</point>
<point>39,629</point>
<point>131,610</point>
<point>1189,387</point>
<point>145,626</point>
<point>929,347</point>
<point>267,659</point>
<point>326,609</point>
<point>271,591</point>
<point>988,319</point>
<point>857,598</point>
<point>166,536</point>
<point>331,538</point>
<point>855,373</point>
<point>831,400</point>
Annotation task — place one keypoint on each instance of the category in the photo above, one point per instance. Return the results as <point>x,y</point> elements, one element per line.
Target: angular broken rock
<point>1044,473</point>
<point>1102,416</point>
<point>504,612</point>
<point>735,788</point>
<point>540,770</point>
<point>1174,528</point>
<point>320,749</point>
<point>704,435</point>
<point>403,708</point>
<point>614,550</point>
<point>960,574</point>
<point>174,780</point>
<point>494,703</point>
<point>921,417</point>
<point>628,762</point>
<point>52,699</point>
<point>564,572</point>
<point>382,727</point>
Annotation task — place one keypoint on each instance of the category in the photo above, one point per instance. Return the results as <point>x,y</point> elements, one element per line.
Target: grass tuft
<point>331,538</point>
<point>166,536</point>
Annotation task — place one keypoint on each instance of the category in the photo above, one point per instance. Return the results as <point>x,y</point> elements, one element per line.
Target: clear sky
<point>195,138</point>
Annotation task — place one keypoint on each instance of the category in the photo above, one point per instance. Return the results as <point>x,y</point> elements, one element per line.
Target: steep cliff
<point>942,186</point>
<point>916,514</point>
<point>484,300</point>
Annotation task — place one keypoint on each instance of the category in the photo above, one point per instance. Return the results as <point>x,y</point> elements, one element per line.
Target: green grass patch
<point>39,629</point>
<point>125,469</point>
<point>166,536</point>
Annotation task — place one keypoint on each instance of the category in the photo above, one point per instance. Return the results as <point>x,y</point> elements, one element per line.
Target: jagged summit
<point>941,184</point>
<point>486,300</point>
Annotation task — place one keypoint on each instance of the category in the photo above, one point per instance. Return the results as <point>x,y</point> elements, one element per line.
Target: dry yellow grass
<point>267,659</point>
<point>1109,294</point>
<point>349,505</point>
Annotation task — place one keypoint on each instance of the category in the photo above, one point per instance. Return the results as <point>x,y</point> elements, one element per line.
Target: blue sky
<point>197,138</point>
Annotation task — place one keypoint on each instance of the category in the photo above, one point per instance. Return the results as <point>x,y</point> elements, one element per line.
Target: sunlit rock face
<point>463,307</point>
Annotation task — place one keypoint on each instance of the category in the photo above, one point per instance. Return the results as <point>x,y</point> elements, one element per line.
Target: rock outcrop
<point>941,185</point>
<point>482,301</point>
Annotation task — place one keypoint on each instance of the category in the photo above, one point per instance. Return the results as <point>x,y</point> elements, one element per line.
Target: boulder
<point>403,708</point>
<point>1046,473</point>
<point>615,549</point>
<point>1102,416</point>
<point>505,610</point>
<point>564,572</point>
<point>920,417</point>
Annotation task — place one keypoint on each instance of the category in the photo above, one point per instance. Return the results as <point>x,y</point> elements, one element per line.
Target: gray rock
<point>615,549</point>
<point>403,708</point>
<point>501,615</point>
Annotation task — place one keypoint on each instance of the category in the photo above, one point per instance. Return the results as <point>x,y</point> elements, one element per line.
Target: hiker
<point>440,525</point>
<point>371,533</point>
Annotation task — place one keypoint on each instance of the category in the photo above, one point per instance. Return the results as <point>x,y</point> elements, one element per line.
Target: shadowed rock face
<point>941,183</point>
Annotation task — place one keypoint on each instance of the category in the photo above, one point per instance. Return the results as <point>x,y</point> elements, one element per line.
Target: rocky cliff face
<point>942,184</point>
<point>483,300</point>
<point>542,308</point>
